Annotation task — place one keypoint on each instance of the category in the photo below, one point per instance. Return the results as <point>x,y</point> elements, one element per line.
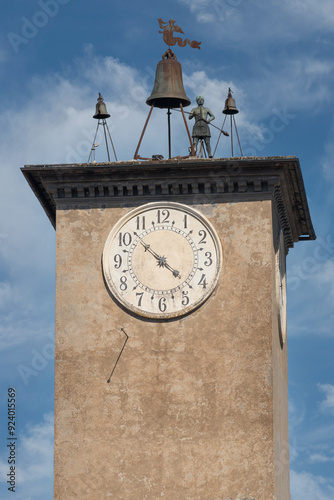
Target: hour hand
<point>174,271</point>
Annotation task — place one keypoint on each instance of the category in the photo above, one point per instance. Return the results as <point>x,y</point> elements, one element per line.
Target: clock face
<point>281,289</point>
<point>162,260</point>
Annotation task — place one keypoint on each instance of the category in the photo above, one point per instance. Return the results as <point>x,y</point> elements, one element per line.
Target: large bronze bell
<point>101,109</point>
<point>230,106</point>
<point>168,91</point>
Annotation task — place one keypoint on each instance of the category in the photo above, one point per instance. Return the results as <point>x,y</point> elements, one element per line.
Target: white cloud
<point>311,269</point>
<point>287,89</point>
<point>34,462</point>
<point>317,15</point>
<point>328,404</point>
<point>328,157</point>
<point>281,72</point>
<point>7,294</point>
<point>308,486</point>
<point>320,434</point>
<point>323,280</point>
<point>205,17</point>
<point>300,84</point>
<point>199,83</point>
<point>309,445</point>
<point>36,451</point>
<point>320,458</point>
<point>210,11</point>
<point>215,92</point>
<point>325,41</point>
<point>23,326</point>
<point>296,415</point>
<point>56,126</point>
<point>274,20</point>
<point>296,419</point>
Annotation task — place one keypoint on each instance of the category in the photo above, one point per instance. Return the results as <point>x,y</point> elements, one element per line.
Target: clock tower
<point>171,352</point>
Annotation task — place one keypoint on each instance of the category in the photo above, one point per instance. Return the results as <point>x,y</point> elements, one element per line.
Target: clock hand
<point>162,261</point>
<point>149,249</point>
<point>174,271</point>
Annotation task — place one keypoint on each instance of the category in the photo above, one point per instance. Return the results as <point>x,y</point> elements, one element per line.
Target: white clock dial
<point>162,260</point>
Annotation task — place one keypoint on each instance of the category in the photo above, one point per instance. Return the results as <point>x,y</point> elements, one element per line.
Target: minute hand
<point>162,261</point>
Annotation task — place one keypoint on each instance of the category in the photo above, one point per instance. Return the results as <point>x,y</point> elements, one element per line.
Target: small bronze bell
<point>101,109</point>
<point>230,106</point>
<point>168,91</point>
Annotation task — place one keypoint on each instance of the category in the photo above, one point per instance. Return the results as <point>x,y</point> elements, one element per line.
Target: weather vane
<point>168,30</point>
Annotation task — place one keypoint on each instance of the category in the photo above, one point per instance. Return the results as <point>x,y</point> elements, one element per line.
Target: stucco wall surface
<point>188,412</point>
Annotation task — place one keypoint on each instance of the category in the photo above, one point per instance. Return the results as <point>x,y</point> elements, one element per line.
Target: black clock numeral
<point>123,286</point>
<point>118,261</point>
<point>185,298</point>
<point>140,223</point>
<point>202,235</point>
<point>124,239</point>
<point>163,216</point>
<point>162,304</point>
<point>140,295</point>
<point>185,221</point>
<point>202,281</point>
<point>209,257</point>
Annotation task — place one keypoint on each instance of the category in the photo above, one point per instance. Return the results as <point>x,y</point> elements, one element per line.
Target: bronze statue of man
<point>201,129</point>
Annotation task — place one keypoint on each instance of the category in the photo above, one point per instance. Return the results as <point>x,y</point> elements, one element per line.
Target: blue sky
<point>55,56</point>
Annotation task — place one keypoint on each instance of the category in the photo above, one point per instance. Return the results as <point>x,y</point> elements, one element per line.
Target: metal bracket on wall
<point>120,354</point>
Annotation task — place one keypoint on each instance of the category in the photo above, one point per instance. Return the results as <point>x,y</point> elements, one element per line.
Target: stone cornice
<point>188,180</point>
